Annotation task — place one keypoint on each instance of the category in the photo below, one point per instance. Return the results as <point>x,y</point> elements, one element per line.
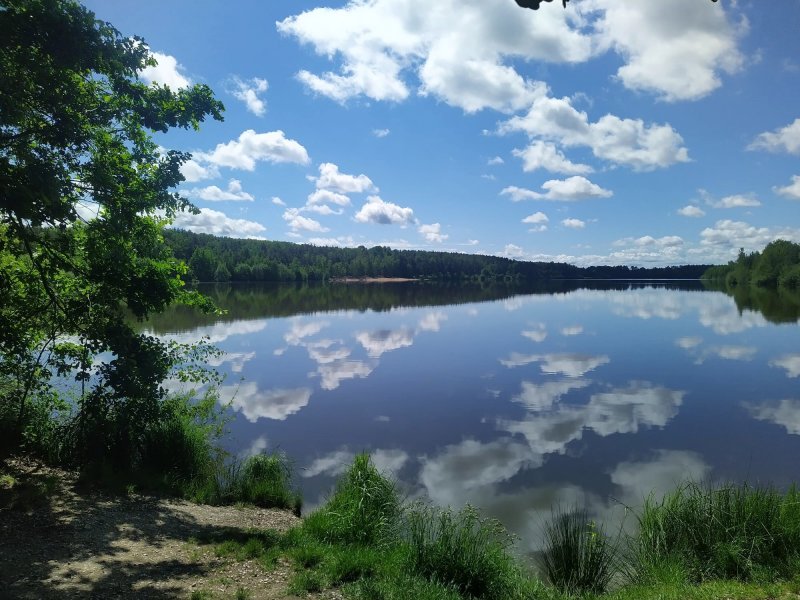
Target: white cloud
<point>785,413</point>
<point>212,193</point>
<point>380,133</point>
<point>572,330</point>
<point>545,155</point>
<point>691,211</point>
<point>791,191</point>
<point>277,201</point>
<point>248,92</point>
<point>217,223</point>
<point>87,209</point>
<point>688,342</point>
<point>380,341</point>
<point>512,251</point>
<point>786,139</point>
<point>337,462</point>
<point>298,222</point>
<point>193,171</point>
<point>542,397</point>
<point>626,142</point>
<point>300,330</point>
<point>648,241</point>
<point>432,321</point>
<point>332,375</point>
<point>536,218</point>
<point>571,365</point>
<point>331,179</point>
<point>737,201</point>
<point>495,161</point>
<point>322,209</point>
<point>378,211</point>
<point>573,223</point>
<point>251,147</point>
<point>675,49</point>
<point>323,196</point>
<point>789,362</point>
<point>458,51</point>
<point>433,233</point>
<point>560,190</point>
<point>727,235</point>
<point>254,404</point>
<point>341,241</point>
<point>167,72</point>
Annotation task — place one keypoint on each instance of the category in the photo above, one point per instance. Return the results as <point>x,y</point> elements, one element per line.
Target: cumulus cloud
<point>277,201</point>
<point>789,362</point>
<point>560,190</point>
<point>571,365</point>
<point>255,404</point>
<point>545,155</point>
<point>331,375</point>
<point>193,171</point>
<point>691,211</point>
<point>573,223</point>
<point>727,235</point>
<point>325,196</point>
<point>628,142</point>
<point>791,191</point>
<point>218,223</point>
<point>785,413</point>
<point>378,342</point>
<point>433,233</point>
<point>335,463</point>
<point>251,147</point>
<point>380,133</point>
<point>737,201</point>
<point>676,50</point>
<point>378,211</point>
<point>167,72</point>
<point>539,219</point>
<point>248,92</point>
<point>458,52</point>
<point>495,161</point>
<point>785,139</point>
<point>298,222</point>
<point>512,251</point>
<point>212,193</point>
<point>331,179</point>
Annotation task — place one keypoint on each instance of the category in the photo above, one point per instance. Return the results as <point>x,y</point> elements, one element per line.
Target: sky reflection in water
<point>596,397</point>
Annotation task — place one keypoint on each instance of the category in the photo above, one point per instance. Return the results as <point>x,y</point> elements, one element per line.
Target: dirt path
<point>58,543</point>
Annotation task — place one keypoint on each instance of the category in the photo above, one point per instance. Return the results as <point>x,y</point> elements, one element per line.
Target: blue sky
<point>613,132</point>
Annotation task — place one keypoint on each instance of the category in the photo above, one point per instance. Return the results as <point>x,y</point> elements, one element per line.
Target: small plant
<point>364,508</point>
<point>460,550</point>
<point>578,556</point>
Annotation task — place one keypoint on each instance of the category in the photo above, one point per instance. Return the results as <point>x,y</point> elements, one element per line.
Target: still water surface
<point>510,400</point>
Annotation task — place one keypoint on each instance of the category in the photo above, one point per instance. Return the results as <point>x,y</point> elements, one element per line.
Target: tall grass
<point>578,557</point>
<point>730,532</point>
<point>364,508</point>
<point>462,551</point>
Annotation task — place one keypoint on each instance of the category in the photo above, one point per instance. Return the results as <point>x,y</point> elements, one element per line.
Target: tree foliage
<point>777,266</point>
<point>258,260</point>
<point>85,193</point>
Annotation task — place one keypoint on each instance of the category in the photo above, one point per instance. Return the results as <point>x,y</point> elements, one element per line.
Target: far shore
<point>371,279</point>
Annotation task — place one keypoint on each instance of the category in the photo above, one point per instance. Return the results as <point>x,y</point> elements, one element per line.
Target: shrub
<point>364,508</point>
<point>460,550</point>
<point>578,556</point>
<point>740,532</point>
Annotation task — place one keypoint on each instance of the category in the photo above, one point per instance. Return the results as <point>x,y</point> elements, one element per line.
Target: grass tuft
<point>578,557</point>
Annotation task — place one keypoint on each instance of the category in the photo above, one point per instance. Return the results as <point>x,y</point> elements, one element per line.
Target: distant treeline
<point>212,258</point>
<point>777,266</point>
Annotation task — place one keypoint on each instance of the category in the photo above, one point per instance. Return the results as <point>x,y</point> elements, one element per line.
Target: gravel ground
<point>57,541</point>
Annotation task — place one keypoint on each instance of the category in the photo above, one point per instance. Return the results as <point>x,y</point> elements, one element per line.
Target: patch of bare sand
<point>59,542</point>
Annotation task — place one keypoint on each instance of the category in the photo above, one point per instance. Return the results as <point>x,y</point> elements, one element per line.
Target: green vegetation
<point>777,266</point>
<point>213,258</point>
<point>578,557</point>
<point>697,542</point>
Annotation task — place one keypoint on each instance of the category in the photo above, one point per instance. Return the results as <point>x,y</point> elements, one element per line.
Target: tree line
<point>212,258</point>
<point>776,266</point>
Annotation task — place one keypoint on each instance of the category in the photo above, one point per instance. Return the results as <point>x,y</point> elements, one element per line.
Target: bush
<point>731,532</point>
<point>364,508</point>
<point>578,556</point>
<point>461,550</point>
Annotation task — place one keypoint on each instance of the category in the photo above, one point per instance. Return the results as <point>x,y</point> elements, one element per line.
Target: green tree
<point>84,195</point>
<point>203,264</point>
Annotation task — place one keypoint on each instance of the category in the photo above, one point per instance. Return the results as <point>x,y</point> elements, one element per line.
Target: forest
<point>776,266</point>
<point>213,258</point>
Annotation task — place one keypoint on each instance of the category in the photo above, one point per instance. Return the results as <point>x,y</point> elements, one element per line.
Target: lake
<point>510,399</point>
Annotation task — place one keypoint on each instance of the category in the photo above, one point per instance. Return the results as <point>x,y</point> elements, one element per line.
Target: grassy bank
<point>697,542</point>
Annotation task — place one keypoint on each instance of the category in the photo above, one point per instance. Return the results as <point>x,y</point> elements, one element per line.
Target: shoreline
<point>371,279</point>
